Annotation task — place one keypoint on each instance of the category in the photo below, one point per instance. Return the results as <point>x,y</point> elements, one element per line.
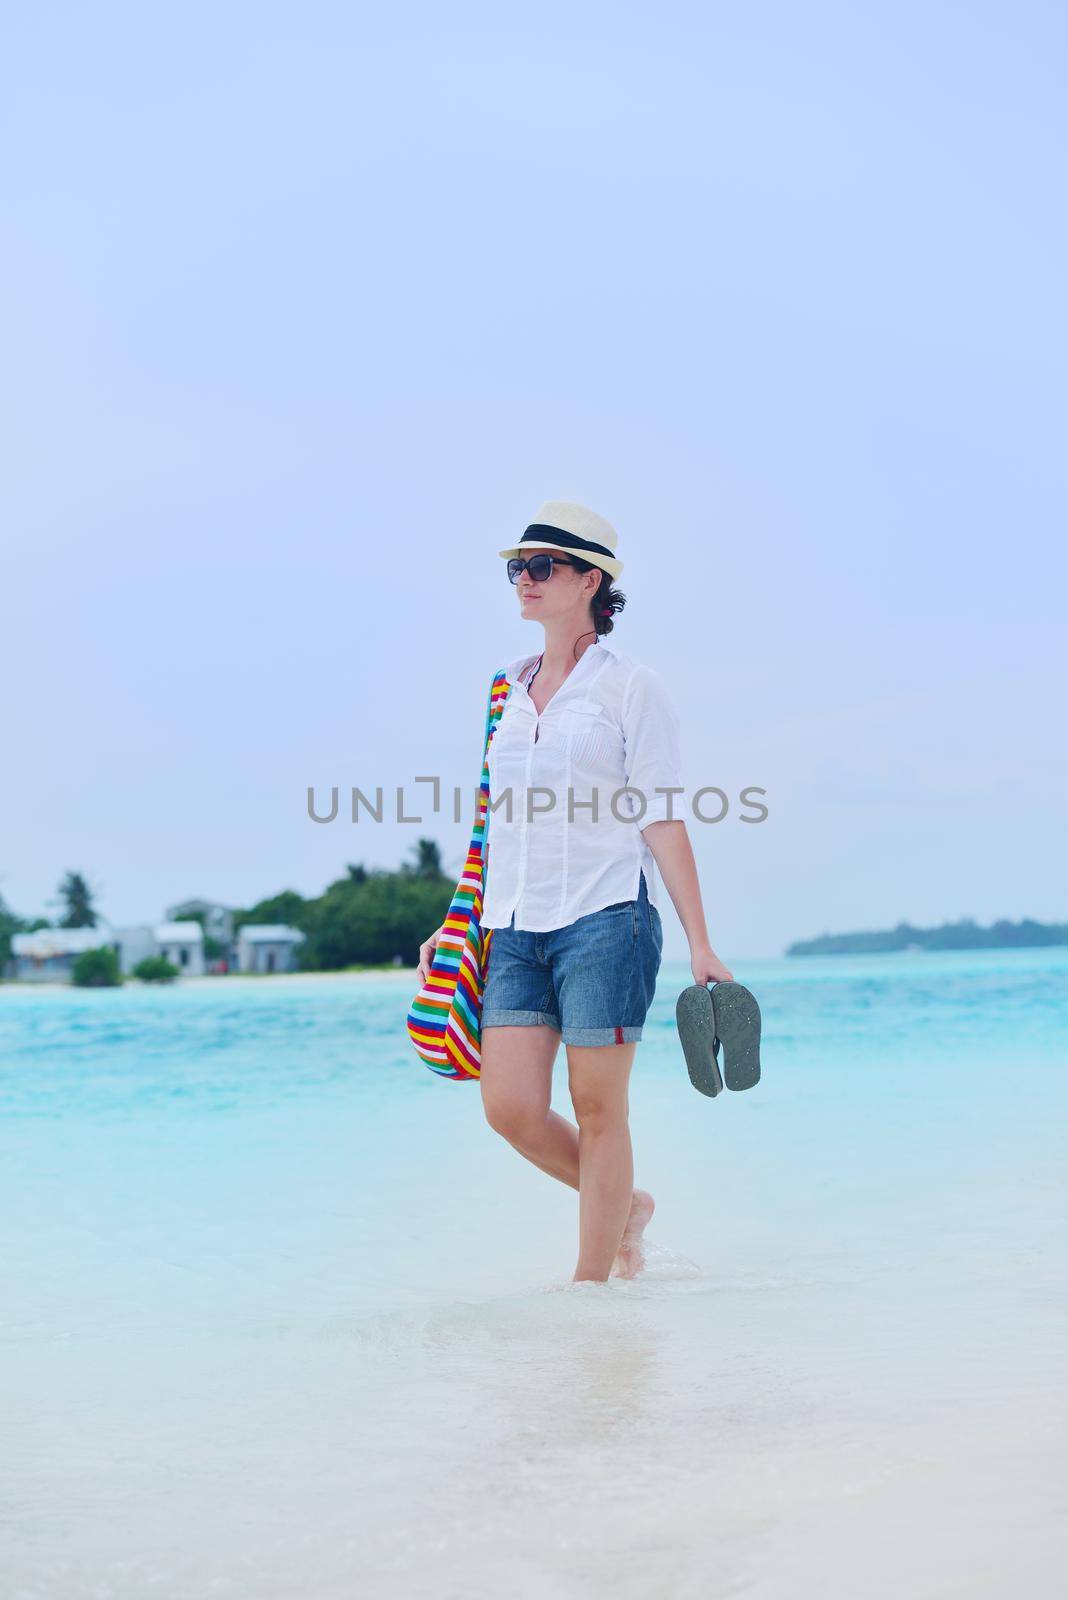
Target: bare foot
<point>631,1257</point>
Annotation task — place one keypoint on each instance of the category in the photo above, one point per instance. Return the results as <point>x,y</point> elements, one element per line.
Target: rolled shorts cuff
<point>496,1018</point>
<point>598,1036</point>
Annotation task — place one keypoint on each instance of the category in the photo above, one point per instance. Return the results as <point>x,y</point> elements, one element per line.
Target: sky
<point>305,312</point>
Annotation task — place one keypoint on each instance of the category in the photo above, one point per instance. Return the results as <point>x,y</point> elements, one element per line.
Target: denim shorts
<point>592,981</point>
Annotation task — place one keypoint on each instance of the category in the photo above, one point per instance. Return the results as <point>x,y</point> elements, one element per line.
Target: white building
<point>134,944</point>
<point>217,920</point>
<point>268,947</point>
<point>48,955</point>
<point>182,944</point>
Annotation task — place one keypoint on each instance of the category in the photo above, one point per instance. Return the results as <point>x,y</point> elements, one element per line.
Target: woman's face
<point>566,589</point>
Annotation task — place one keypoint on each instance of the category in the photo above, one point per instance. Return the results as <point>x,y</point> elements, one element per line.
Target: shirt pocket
<point>596,743</point>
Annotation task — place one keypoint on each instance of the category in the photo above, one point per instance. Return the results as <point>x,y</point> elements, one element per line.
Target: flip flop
<point>697,1030</point>
<point>726,1014</point>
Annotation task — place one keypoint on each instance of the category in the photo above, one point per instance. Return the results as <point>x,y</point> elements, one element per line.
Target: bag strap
<point>499,691</point>
<point>489,718</point>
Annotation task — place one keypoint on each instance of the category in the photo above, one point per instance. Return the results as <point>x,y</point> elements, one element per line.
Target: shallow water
<point>283,1317</point>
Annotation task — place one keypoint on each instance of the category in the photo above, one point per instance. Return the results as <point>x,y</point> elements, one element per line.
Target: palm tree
<point>76,893</point>
<point>427,862</point>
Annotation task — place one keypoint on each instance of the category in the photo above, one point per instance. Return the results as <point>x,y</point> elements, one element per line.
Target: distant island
<point>963,935</point>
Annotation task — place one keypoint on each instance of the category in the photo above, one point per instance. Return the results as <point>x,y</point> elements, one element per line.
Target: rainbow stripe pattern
<point>443,1020</point>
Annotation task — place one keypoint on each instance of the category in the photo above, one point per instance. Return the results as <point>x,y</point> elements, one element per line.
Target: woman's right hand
<point>426,954</point>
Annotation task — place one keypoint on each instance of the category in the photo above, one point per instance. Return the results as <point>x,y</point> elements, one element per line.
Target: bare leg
<point>516,1084</point>
<point>598,1078</point>
<point>517,1078</point>
<point>631,1257</point>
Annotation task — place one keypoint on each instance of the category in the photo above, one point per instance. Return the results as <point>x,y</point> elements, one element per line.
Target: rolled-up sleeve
<point>652,756</point>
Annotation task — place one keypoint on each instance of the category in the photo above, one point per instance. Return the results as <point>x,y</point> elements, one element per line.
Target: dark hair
<point>605,600</point>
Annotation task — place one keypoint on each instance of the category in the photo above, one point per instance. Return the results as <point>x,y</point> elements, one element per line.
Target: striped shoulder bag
<point>444,1017</point>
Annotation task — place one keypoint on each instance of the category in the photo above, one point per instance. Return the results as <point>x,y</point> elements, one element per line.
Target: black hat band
<point>545,533</point>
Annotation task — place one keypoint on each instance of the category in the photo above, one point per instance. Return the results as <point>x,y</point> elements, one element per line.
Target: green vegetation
<point>9,924</point>
<point>366,918</point>
<point>372,916</point>
<point>77,896</point>
<point>963,935</point>
<point>155,969</point>
<point>286,908</point>
<point>96,969</point>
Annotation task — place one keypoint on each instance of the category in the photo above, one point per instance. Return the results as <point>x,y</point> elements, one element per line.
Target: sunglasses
<point>540,567</point>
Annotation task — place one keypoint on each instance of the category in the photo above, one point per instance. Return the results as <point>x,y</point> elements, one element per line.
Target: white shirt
<point>610,724</point>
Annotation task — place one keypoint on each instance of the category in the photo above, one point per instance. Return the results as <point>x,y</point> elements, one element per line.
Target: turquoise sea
<point>282,1316</point>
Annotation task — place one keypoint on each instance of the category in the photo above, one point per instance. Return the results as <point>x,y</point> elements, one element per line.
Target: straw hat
<point>563,525</point>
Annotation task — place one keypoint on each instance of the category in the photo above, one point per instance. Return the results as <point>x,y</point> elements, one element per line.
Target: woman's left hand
<point>708,968</point>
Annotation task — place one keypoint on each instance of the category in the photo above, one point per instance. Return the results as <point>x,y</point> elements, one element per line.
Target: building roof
<point>49,942</point>
<point>178,932</point>
<point>270,933</point>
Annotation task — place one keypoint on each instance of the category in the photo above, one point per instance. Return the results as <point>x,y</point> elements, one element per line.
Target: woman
<point>581,768</point>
